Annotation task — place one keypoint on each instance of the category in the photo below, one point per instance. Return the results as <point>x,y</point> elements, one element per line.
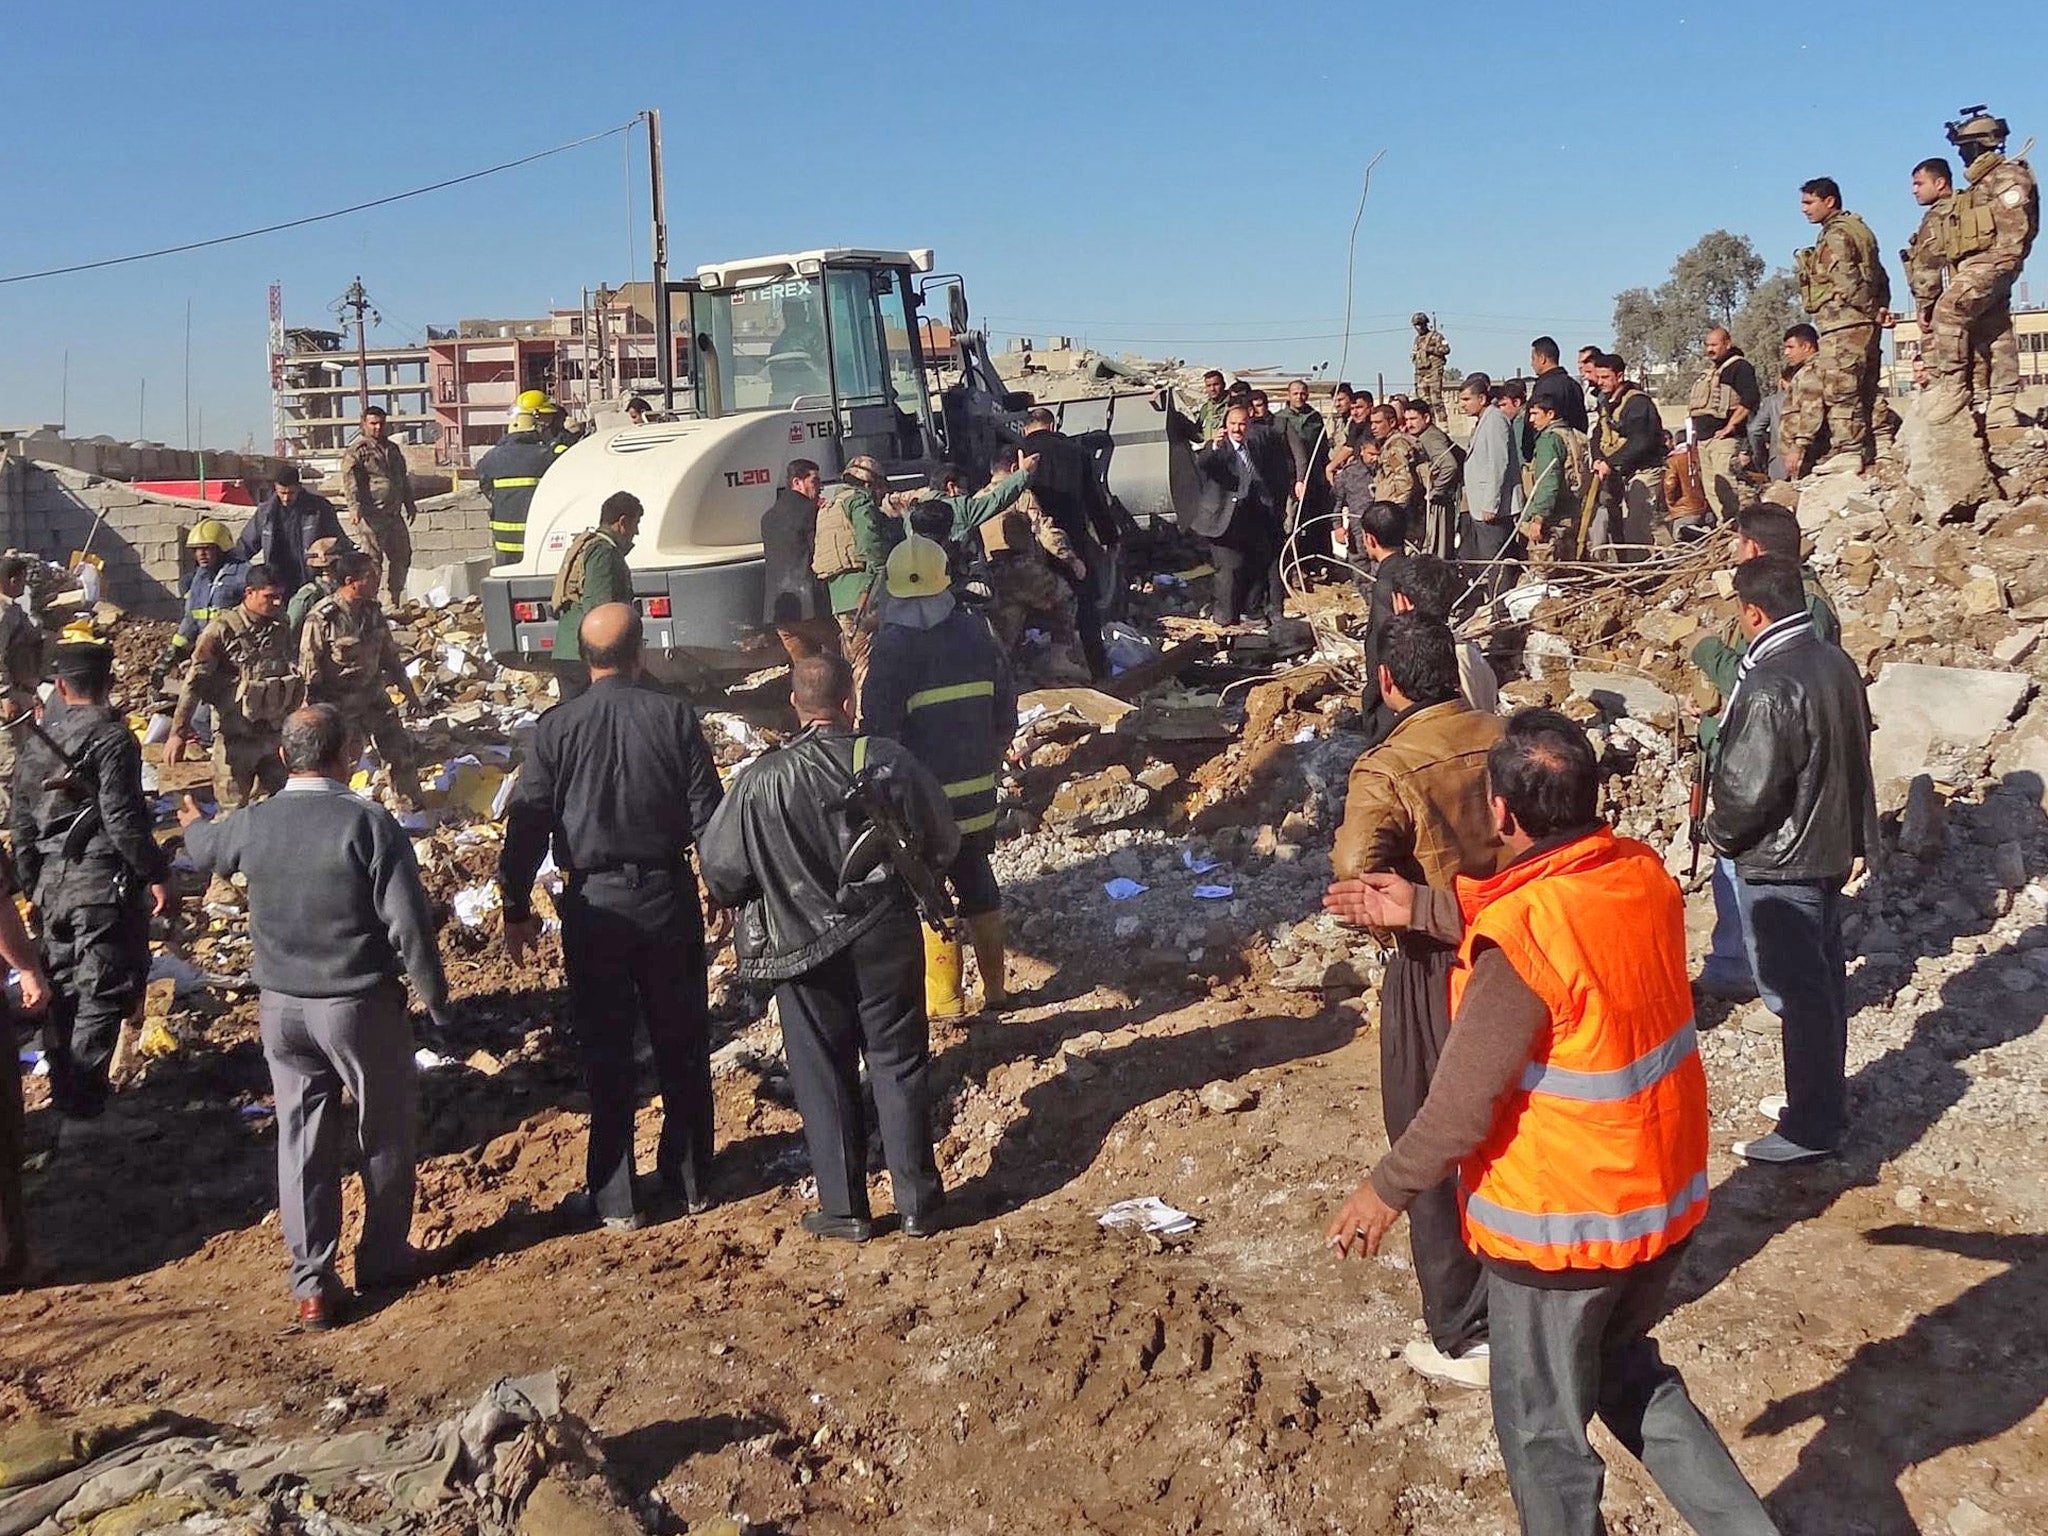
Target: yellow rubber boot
<point>986,929</point>
<point>943,998</point>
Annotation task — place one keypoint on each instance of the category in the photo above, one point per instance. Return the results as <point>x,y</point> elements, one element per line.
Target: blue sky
<point>1171,179</point>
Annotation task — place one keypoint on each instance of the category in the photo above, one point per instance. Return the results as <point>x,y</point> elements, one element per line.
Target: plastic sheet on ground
<point>1122,889</point>
<point>1148,1213</point>
<point>1214,892</point>
<point>473,904</point>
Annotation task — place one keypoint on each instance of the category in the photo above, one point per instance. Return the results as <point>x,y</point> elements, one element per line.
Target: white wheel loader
<point>822,355</point>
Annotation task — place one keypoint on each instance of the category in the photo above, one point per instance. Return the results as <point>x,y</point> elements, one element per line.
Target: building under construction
<point>452,390</point>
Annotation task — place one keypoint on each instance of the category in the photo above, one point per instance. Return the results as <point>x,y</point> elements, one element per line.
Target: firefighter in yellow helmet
<point>215,587</point>
<point>508,474</point>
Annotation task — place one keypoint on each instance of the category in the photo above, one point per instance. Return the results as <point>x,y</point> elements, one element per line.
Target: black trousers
<point>1088,614</point>
<point>1415,1020</point>
<point>973,878</point>
<point>866,1002</point>
<point>99,964</point>
<point>633,946</point>
<point>1478,546</point>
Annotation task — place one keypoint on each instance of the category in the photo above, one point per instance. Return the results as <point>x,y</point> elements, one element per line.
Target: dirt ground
<point>1875,1353</point>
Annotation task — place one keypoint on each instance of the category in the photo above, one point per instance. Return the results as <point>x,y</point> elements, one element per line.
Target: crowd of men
<point>1543,1094</point>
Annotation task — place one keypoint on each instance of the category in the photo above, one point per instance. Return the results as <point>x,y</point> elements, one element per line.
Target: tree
<point>1771,310</point>
<point>1660,332</point>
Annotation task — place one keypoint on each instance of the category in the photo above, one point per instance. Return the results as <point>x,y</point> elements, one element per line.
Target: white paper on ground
<point>1148,1213</point>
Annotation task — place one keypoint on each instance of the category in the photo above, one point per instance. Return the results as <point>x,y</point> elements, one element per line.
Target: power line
<point>316,218</point>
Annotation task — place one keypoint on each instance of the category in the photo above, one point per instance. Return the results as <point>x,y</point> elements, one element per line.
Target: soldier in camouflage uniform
<point>1844,287</point>
<point>1803,420</point>
<point>1397,478</point>
<point>1991,230</point>
<point>1022,545</point>
<point>349,660</point>
<point>1430,354</point>
<point>378,495</point>
<point>244,667</point>
<point>1925,257</point>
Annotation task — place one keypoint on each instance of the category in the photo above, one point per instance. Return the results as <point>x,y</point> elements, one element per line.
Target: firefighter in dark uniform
<point>620,780</point>
<point>84,848</point>
<point>937,682</point>
<point>508,475</point>
<point>19,953</point>
<point>832,924</point>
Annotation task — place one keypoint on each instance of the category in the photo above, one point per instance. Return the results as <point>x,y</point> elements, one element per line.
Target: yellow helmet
<point>535,402</point>
<point>78,632</point>
<point>917,568</point>
<point>210,531</point>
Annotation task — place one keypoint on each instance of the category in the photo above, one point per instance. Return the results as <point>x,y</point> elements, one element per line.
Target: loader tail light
<point>657,608</point>
<point>528,613</point>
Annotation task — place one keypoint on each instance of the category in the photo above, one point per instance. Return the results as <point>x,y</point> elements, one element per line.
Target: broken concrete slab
<point>1923,713</point>
<point>1102,800</point>
<point>1101,710</point>
<point>2022,758</point>
<point>1830,493</point>
<point>448,583</point>
<point>1623,693</point>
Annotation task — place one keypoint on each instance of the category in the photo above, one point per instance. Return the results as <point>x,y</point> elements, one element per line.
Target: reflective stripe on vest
<point>1578,1228</point>
<point>965,787</point>
<point>924,698</point>
<point>860,753</point>
<point>1653,1066</point>
<point>973,824</point>
<point>515,482</point>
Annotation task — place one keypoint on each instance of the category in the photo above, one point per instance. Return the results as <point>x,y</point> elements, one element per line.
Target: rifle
<point>1586,501</point>
<point>865,793</point>
<point>86,820</point>
<point>1696,807</point>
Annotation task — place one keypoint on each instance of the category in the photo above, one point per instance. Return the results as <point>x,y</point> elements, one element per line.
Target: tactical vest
<point>1868,290</point>
<point>1610,436</point>
<point>569,579</point>
<point>1712,395</point>
<point>833,553</point>
<point>268,686</point>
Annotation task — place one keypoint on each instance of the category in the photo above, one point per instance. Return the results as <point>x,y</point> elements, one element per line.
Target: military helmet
<point>1976,125</point>
<point>321,552</point>
<point>1419,320</point>
<point>863,470</point>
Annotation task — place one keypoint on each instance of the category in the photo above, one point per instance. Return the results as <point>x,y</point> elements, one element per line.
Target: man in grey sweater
<point>338,915</point>
<point>1493,480</point>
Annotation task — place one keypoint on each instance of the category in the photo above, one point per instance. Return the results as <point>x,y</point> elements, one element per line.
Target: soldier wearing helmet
<point>1430,354</point>
<point>215,586</point>
<point>320,583</point>
<point>1990,232</point>
<point>853,542</point>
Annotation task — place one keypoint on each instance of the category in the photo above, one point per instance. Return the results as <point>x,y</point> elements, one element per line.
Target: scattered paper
<point>1306,734</point>
<point>431,1061</point>
<point>1148,1213</point>
<point>1214,893</point>
<point>474,903</point>
<point>1122,889</point>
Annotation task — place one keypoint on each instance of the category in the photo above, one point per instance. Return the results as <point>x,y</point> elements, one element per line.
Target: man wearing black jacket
<point>833,926</point>
<point>1553,387</point>
<point>1244,478</point>
<point>794,602</point>
<point>89,860</point>
<point>620,781</point>
<point>1071,494</point>
<point>290,521</point>
<point>1627,450</point>
<point>1792,805</point>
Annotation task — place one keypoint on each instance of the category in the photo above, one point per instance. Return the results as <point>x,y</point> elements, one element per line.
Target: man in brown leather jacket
<point>1417,807</point>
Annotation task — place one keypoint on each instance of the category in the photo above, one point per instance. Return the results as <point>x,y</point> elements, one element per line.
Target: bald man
<point>1723,399</point>
<point>620,781</point>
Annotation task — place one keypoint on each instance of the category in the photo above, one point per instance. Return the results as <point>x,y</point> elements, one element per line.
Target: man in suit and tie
<point>1246,475</point>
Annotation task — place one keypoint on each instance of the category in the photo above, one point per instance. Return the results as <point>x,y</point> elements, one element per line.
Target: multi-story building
<point>2030,329</point>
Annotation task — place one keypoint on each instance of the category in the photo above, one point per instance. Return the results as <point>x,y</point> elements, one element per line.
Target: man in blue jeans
<point>1791,802</point>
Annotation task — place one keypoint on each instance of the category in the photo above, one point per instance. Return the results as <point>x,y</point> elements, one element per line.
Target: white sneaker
<point>1472,1369</point>
<point>1774,1107</point>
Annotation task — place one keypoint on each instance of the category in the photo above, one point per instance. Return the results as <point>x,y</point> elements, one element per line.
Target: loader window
<point>857,361</point>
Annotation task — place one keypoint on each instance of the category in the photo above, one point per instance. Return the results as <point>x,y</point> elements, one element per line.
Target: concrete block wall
<point>48,510</point>
<point>452,528</point>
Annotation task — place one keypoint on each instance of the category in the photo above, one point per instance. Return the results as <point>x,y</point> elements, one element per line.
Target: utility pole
<point>664,340</point>
<point>357,303</point>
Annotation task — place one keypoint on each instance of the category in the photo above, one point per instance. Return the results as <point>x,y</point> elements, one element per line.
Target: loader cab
<point>831,332</point>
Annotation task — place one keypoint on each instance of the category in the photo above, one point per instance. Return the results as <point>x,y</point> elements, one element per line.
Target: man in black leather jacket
<point>1793,805</point>
<point>841,944</point>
